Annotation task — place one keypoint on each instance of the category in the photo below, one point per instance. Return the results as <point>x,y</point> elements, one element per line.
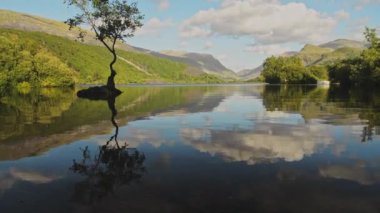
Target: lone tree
<point>110,20</point>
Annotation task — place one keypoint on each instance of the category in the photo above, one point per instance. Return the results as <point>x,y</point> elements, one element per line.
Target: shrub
<point>24,87</point>
<point>319,72</point>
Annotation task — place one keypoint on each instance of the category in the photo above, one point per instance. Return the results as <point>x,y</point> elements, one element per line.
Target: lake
<point>228,148</point>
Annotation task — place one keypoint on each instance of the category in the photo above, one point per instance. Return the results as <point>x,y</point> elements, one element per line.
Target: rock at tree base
<point>98,93</point>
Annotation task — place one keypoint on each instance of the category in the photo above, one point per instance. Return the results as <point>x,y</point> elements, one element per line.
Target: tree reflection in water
<point>112,166</point>
<point>367,134</point>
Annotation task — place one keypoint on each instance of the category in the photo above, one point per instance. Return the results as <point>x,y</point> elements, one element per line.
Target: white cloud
<point>222,57</point>
<point>360,4</point>
<point>9,178</point>
<point>267,49</point>
<point>356,28</point>
<point>208,45</point>
<point>265,21</point>
<point>189,31</point>
<point>153,27</point>
<point>137,137</point>
<point>183,44</point>
<point>341,14</point>
<point>162,4</point>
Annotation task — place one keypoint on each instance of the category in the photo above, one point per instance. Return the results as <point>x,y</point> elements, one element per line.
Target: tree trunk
<point>111,79</point>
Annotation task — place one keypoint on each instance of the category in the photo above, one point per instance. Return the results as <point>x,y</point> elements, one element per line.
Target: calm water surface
<point>250,148</point>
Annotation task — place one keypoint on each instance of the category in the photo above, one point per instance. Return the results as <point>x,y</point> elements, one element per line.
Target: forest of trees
<point>360,70</point>
<point>290,70</point>
<point>25,64</point>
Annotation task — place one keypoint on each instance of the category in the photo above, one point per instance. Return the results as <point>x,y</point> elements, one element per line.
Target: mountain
<point>26,22</point>
<point>330,52</point>
<point>341,43</point>
<point>197,64</point>
<point>205,62</point>
<point>249,74</point>
<point>310,54</point>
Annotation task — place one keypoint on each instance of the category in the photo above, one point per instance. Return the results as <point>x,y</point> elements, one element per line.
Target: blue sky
<point>241,33</point>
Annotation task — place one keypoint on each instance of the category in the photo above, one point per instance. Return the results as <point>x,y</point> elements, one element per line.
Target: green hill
<point>31,23</point>
<point>43,52</point>
<point>316,55</point>
<point>311,54</point>
<point>24,56</point>
<point>26,22</point>
<point>338,54</point>
<point>330,52</point>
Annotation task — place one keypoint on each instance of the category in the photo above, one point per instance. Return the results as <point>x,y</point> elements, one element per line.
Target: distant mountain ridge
<point>206,62</point>
<point>248,74</point>
<point>198,63</point>
<point>341,43</point>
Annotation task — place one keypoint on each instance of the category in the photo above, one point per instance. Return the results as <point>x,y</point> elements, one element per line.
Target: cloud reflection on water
<point>358,172</point>
<point>14,175</point>
<point>267,143</point>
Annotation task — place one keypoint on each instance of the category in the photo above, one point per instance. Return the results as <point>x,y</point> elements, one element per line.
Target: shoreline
<point>173,85</point>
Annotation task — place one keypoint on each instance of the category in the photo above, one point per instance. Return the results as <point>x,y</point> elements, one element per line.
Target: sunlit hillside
<point>87,63</point>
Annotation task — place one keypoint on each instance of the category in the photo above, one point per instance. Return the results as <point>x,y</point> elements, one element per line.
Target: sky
<point>240,33</point>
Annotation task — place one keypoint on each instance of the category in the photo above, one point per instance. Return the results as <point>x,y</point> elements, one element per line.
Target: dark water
<point>192,149</point>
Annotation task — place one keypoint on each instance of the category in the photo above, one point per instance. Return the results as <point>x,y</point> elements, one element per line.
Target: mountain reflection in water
<point>243,148</point>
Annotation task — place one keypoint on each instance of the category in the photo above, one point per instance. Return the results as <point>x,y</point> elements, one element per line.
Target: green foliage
<point>24,61</point>
<point>91,62</point>
<point>287,70</point>
<point>24,87</point>
<point>259,79</point>
<point>206,78</point>
<point>371,37</point>
<point>4,83</point>
<point>361,70</point>
<point>108,19</point>
<point>320,72</point>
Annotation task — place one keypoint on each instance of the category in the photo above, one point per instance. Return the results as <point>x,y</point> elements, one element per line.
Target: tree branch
<point>114,42</point>
<point>105,44</point>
